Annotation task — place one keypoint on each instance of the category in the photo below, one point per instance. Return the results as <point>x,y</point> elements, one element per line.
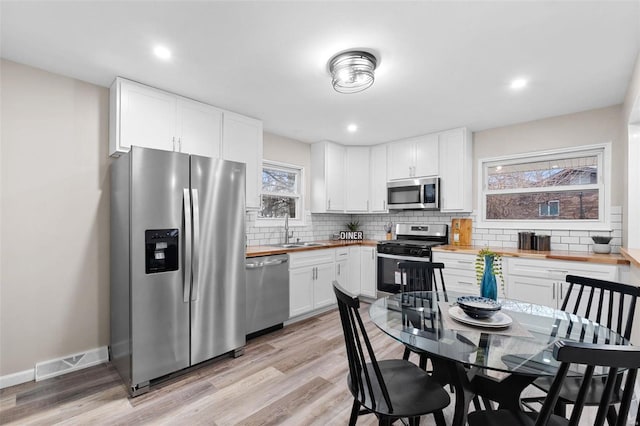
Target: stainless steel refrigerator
<point>177,262</point>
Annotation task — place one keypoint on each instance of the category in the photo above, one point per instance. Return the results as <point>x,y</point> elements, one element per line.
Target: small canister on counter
<point>543,242</point>
<point>526,240</point>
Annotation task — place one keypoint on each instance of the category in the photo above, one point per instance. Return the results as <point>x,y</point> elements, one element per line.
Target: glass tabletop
<point>414,319</point>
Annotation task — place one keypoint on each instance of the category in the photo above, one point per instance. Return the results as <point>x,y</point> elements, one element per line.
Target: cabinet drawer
<point>460,261</point>
<point>342,253</point>
<point>558,270</point>
<point>311,258</point>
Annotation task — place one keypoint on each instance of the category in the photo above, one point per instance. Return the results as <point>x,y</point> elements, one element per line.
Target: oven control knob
<point>414,251</point>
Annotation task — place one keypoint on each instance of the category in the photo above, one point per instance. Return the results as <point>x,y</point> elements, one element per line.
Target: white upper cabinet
<point>327,177</point>
<point>378,179</point>
<point>199,128</point>
<point>151,118</point>
<point>140,116</point>
<point>242,141</point>
<point>426,163</point>
<point>357,179</point>
<point>401,159</point>
<point>415,157</point>
<point>456,164</point>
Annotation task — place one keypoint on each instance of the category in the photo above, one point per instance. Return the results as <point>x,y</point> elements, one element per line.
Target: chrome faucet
<point>287,234</point>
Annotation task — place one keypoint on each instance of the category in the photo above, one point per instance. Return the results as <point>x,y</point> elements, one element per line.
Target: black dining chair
<point>617,358</point>
<point>608,303</point>
<point>390,389</point>
<point>420,276</point>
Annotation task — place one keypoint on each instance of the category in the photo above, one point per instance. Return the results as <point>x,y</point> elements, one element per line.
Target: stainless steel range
<point>412,244</point>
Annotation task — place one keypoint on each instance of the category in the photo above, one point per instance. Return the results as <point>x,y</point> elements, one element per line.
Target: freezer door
<point>159,314</point>
<point>218,290</point>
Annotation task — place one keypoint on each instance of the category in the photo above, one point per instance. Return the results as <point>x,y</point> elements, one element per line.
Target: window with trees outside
<point>562,186</point>
<point>281,191</point>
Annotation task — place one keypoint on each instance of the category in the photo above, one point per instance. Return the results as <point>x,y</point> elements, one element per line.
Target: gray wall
<point>54,277</point>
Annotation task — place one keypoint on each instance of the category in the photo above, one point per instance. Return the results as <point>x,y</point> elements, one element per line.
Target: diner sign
<point>351,235</point>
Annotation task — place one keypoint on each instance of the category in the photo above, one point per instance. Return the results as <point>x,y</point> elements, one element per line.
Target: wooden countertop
<point>632,255</point>
<point>576,256</point>
<point>254,251</point>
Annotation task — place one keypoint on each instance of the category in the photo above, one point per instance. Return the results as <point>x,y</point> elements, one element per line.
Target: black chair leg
<point>423,362</point>
<point>439,418</point>
<point>414,421</point>
<point>406,354</point>
<point>355,409</point>
<point>384,421</point>
<point>560,409</point>
<point>612,416</point>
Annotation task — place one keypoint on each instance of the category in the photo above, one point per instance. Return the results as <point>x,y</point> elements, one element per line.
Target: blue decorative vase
<point>488,286</point>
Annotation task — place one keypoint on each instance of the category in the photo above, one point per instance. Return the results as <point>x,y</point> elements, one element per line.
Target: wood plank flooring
<point>294,376</point>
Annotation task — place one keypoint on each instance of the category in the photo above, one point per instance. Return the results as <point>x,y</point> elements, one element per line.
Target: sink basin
<point>298,245</point>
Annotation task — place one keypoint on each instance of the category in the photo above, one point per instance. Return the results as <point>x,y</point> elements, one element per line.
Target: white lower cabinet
<point>368,272</point>
<point>343,267</point>
<point>543,281</point>
<point>353,280</point>
<point>311,275</point>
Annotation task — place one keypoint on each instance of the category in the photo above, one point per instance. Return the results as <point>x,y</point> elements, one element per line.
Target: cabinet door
<point>354,270</point>
<point>357,179</point>
<point>532,290</point>
<point>300,291</point>
<point>342,273</point>
<point>147,117</point>
<point>323,294</point>
<point>368,272</point>
<point>335,176</point>
<point>455,170</point>
<point>242,141</point>
<point>426,156</point>
<point>401,159</point>
<point>199,128</point>
<point>378,179</point>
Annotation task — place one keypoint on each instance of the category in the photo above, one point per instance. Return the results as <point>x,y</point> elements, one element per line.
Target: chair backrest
<point>616,357</point>
<point>605,302</point>
<point>422,276</point>
<point>363,379</point>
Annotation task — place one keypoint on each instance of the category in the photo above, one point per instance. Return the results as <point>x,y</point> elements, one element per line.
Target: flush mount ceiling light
<point>352,72</point>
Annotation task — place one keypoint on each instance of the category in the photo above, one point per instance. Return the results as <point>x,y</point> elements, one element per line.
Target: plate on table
<point>498,320</point>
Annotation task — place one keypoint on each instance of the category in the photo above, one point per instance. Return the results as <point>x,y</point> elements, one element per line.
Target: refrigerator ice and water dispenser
<point>161,247</point>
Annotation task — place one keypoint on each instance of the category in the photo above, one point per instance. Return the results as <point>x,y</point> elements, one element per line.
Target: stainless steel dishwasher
<point>267,292</point>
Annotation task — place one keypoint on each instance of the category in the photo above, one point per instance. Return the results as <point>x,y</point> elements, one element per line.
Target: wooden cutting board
<point>461,232</point>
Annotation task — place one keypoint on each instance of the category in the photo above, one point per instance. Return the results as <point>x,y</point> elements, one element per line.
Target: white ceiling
<point>442,64</point>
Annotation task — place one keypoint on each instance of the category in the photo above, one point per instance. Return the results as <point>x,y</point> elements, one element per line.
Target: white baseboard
<point>17,378</point>
<point>57,367</point>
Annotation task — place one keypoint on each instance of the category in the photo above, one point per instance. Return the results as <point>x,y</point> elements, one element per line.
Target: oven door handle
<point>409,258</point>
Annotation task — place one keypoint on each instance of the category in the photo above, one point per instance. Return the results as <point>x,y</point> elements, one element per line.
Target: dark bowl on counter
<point>478,307</point>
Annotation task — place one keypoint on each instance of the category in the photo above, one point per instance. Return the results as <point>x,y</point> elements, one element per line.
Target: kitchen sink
<point>298,245</point>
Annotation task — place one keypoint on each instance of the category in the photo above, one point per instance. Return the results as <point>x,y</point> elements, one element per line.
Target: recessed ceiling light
<point>519,83</point>
<point>162,52</point>
<point>352,128</point>
<point>498,168</point>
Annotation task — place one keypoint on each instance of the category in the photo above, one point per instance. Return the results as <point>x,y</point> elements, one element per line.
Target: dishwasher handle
<point>254,265</point>
<point>275,262</point>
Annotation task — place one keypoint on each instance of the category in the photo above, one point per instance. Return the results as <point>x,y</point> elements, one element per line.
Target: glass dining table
<point>497,363</point>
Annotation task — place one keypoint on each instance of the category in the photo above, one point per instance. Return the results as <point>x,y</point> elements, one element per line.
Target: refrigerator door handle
<point>196,244</point>
<point>187,245</point>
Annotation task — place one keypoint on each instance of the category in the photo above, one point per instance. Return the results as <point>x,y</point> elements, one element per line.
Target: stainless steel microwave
<point>414,194</point>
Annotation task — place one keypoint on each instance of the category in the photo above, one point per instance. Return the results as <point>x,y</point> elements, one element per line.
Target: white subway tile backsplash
<point>321,226</point>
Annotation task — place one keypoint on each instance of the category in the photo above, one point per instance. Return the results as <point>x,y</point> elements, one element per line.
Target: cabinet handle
<point>338,269</point>
<point>179,144</point>
<point>373,255</point>
<point>466,262</point>
<point>329,204</point>
<point>367,205</point>
<point>553,295</point>
<point>561,291</point>
<point>173,140</point>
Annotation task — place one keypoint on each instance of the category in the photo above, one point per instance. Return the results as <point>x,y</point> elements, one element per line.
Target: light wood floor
<point>294,376</point>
